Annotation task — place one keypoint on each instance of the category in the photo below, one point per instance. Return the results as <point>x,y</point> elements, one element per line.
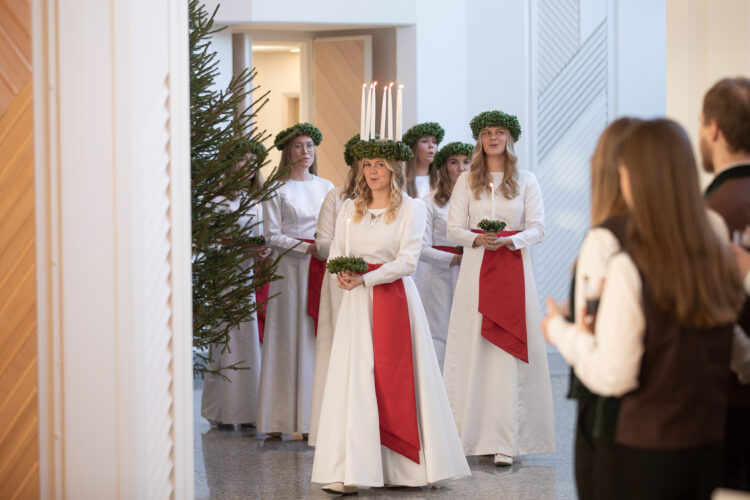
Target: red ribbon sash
<point>315,277</point>
<point>261,295</point>
<point>502,299</point>
<point>394,369</point>
<point>452,250</point>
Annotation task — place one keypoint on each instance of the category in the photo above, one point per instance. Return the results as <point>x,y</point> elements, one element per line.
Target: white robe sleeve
<point>533,206</point>
<point>608,363</point>
<point>598,247</point>
<point>459,230</point>
<point>405,263</point>
<point>437,258</point>
<point>272,228</point>
<point>326,224</point>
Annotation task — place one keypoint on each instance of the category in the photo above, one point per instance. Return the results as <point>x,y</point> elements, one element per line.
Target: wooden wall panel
<point>19,418</point>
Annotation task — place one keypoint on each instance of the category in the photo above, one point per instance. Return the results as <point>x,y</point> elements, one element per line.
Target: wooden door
<point>19,417</point>
<point>341,65</point>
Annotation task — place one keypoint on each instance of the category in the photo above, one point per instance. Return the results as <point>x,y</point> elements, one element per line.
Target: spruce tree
<point>222,132</point>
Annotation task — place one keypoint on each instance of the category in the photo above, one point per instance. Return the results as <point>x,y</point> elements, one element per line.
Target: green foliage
<point>340,264</point>
<point>495,119</point>
<point>390,150</point>
<point>450,149</point>
<point>491,226</point>
<point>425,129</point>
<point>308,129</point>
<point>222,132</point>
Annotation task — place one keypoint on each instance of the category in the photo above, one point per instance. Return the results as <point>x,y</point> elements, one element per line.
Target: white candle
<point>366,134</point>
<point>372,111</point>
<point>382,111</point>
<point>390,112</point>
<point>492,201</point>
<point>363,113</point>
<point>399,112</point>
<point>349,221</point>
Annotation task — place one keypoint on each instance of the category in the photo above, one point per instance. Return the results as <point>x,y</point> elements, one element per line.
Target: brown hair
<point>690,271</point>
<point>444,187</point>
<point>479,176</point>
<point>411,174</point>
<point>728,103</point>
<point>286,158</point>
<point>350,186</point>
<point>606,199</point>
<point>364,196</point>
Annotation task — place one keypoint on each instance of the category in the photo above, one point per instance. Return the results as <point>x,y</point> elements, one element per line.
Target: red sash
<point>315,277</point>
<point>394,368</point>
<point>502,299</point>
<point>452,250</point>
<point>261,294</point>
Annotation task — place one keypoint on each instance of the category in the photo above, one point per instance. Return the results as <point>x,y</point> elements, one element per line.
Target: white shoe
<point>340,489</point>
<point>502,459</point>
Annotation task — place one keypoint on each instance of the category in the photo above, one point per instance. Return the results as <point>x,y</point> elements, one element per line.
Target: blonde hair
<point>606,198</point>
<point>286,159</point>
<point>364,196</point>
<point>411,174</point>
<point>350,186</point>
<point>479,175</point>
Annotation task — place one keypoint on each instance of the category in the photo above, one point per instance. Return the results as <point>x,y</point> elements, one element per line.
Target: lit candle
<point>363,113</point>
<point>372,111</point>
<point>399,112</point>
<point>349,221</point>
<point>492,201</point>
<point>390,112</point>
<point>382,111</point>
<point>366,134</point>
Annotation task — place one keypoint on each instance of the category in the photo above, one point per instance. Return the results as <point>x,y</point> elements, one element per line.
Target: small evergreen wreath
<point>450,149</point>
<point>425,129</point>
<point>491,226</point>
<point>348,158</point>
<point>495,119</point>
<point>285,136</point>
<point>390,150</point>
<point>245,146</point>
<point>258,240</point>
<point>353,264</point>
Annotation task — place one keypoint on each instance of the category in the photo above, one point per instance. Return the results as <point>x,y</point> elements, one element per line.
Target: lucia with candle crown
<point>495,370</point>
<point>385,417</point>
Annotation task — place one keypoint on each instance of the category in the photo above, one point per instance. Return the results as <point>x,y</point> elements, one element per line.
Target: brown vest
<point>681,399</point>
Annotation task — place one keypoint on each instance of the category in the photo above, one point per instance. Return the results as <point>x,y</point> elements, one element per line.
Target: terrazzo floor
<point>234,464</point>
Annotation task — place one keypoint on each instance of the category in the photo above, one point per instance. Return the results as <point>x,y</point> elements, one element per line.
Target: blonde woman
<point>496,371</point>
<point>286,375</point>
<point>385,417</point>
<point>421,175</point>
<point>440,258</point>
<point>330,293</point>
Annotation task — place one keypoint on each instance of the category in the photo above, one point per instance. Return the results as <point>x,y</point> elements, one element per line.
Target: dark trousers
<point>584,449</point>
<point>738,449</point>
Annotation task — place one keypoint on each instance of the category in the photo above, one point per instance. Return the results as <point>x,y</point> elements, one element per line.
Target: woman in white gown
<point>383,389</point>
<point>330,293</point>
<point>496,371</point>
<point>285,392</point>
<point>231,397</point>
<point>440,258</point>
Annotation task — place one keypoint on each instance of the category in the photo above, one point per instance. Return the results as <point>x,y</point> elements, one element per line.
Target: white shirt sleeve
<point>325,227</point>
<point>598,247</point>
<point>272,228</point>
<point>437,258</point>
<point>739,362</point>
<point>459,230</point>
<point>609,362</point>
<point>405,263</point>
<point>533,206</point>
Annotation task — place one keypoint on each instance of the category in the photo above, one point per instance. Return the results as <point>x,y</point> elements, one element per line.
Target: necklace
<point>375,218</point>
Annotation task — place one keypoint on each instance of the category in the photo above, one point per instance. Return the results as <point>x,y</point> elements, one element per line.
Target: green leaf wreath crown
<point>495,119</point>
<point>348,158</point>
<point>390,150</point>
<point>244,146</point>
<point>450,149</point>
<point>339,264</point>
<point>285,136</point>
<point>425,129</point>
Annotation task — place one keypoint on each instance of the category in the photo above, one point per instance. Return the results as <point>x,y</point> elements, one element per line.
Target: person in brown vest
<point>664,329</point>
<point>725,149</point>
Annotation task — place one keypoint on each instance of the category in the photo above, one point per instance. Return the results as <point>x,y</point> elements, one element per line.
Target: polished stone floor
<point>234,464</point>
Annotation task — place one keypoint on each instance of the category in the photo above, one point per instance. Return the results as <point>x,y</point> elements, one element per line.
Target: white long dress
<point>422,183</point>
<point>289,338</point>
<point>439,279</point>
<point>348,447</point>
<point>501,404</point>
<point>233,400</point>
<point>330,299</point>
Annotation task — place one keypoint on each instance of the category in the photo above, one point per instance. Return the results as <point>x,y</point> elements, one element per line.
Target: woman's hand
<point>456,261</point>
<point>490,241</point>
<point>552,312</point>
<point>743,259</point>
<point>348,280</point>
<point>312,250</point>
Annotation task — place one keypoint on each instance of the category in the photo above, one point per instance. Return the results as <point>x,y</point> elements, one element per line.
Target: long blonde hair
<point>606,198</point>
<point>479,176</point>
<point>689,271</point>
<point>364,196</point>
<point>350,186</point>
<point>286,159</point>
<point>411,174</point>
